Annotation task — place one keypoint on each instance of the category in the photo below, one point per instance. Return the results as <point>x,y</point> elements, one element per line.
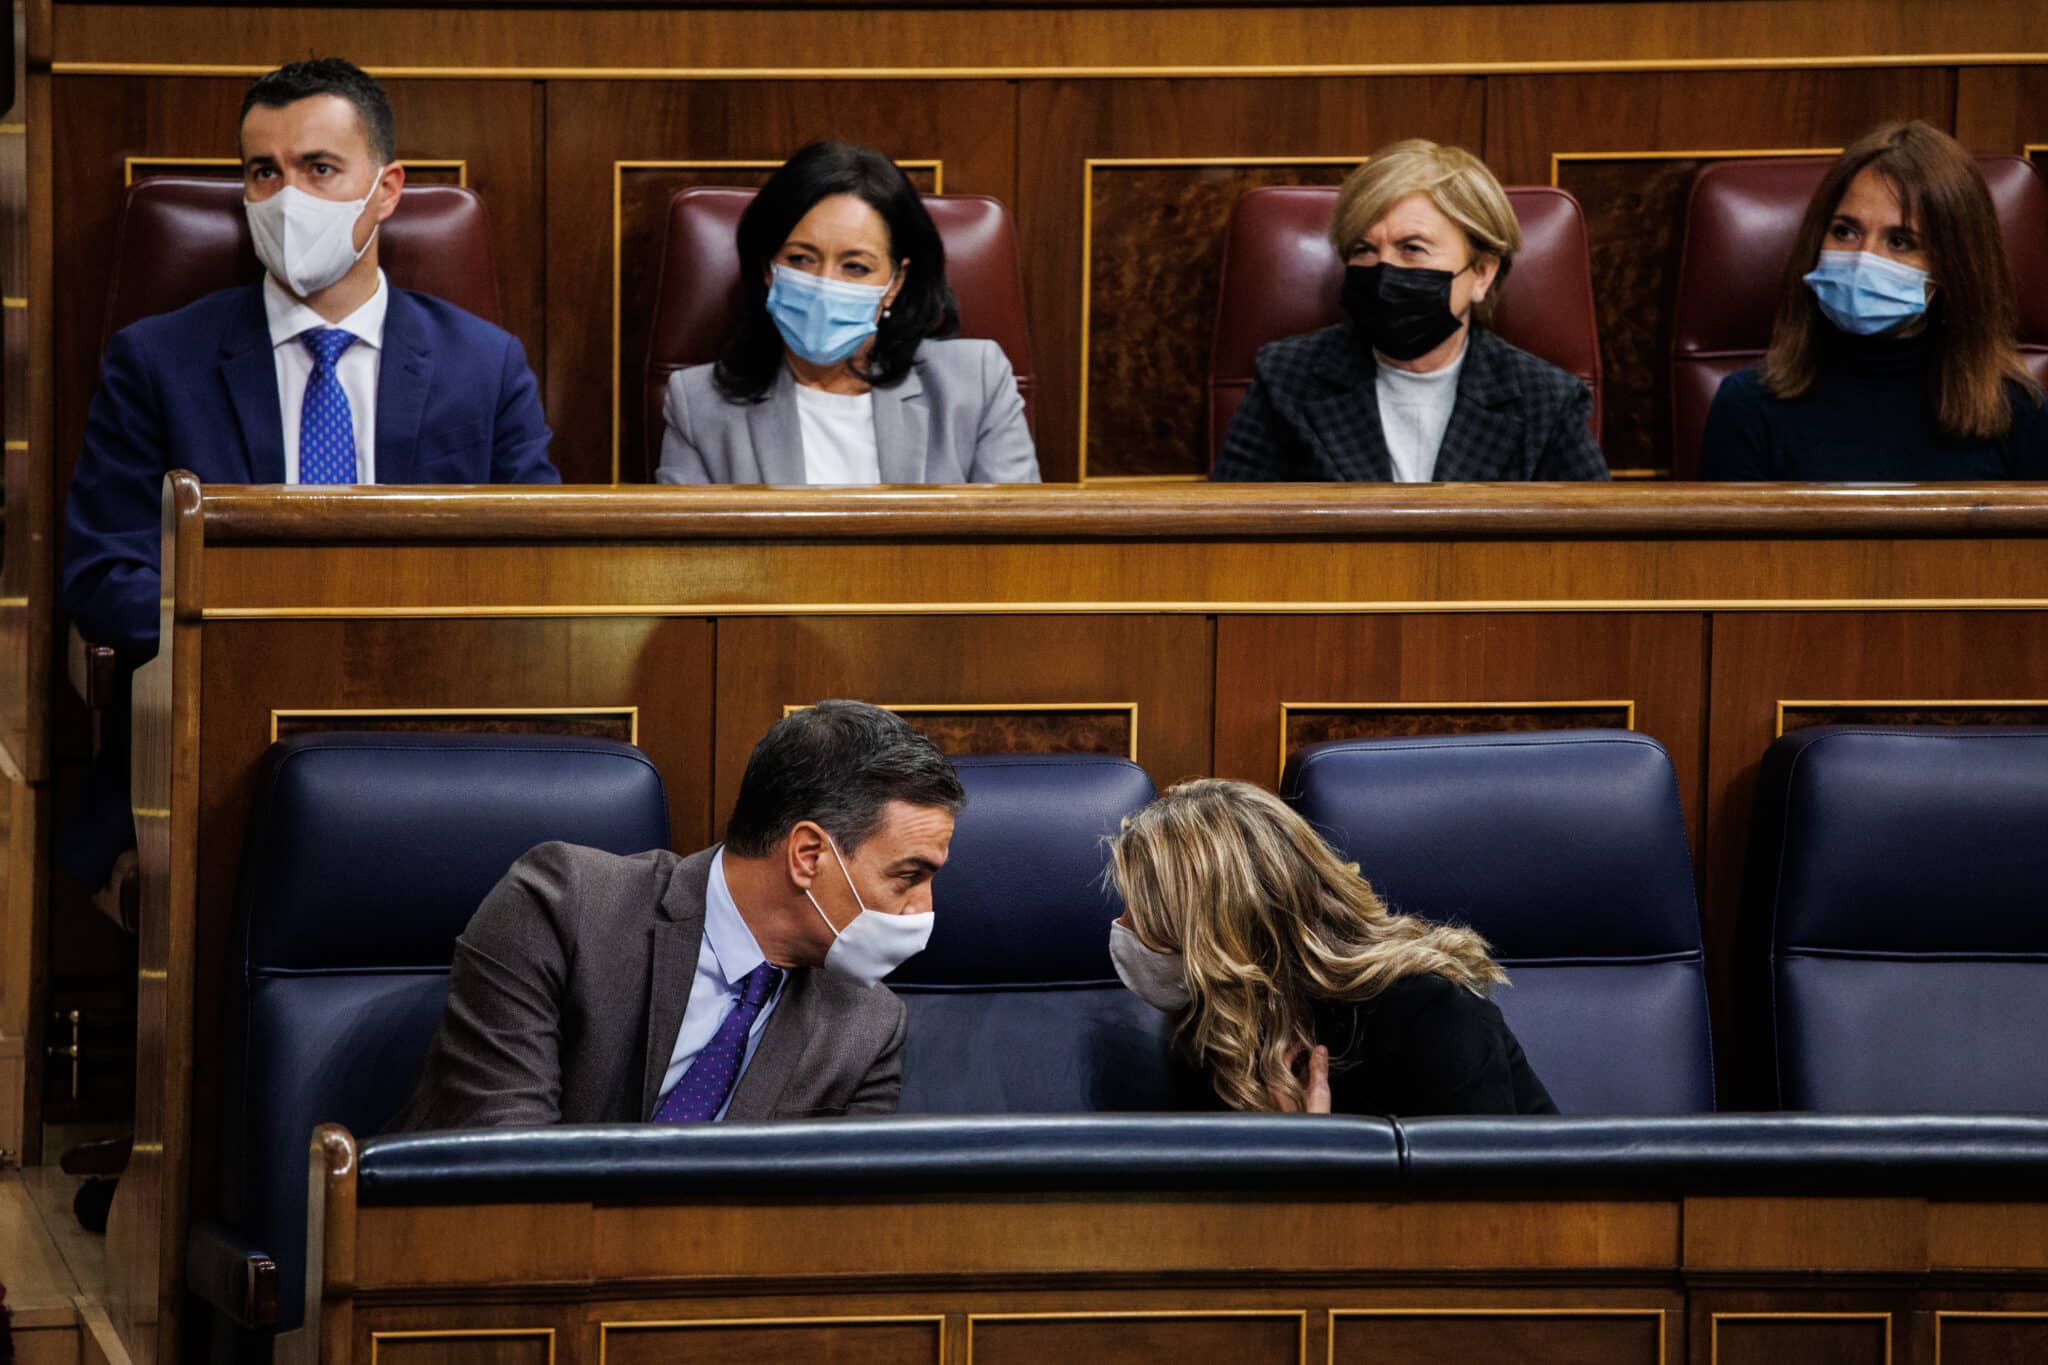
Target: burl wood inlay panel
<point>823,1340</point>
<point>1026,732</point>
<point>1242,1339</point>
<point>1991,1339</point>
<point>617,725</point>
<point>1799,717</point>
<point>1312,726</point>
<point>1776,1340</point>
<point>1452,1338</point>
<point>1155,247</point>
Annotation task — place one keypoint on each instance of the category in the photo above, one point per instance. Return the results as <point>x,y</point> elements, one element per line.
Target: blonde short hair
<point>1457,182</point>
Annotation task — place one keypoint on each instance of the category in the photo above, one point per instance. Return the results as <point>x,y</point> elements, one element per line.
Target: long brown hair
<point>1267,921</point>
<point>1973,312</point>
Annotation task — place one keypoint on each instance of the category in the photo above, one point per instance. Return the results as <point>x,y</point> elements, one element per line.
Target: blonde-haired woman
<point>1292,983</point>
<point>1413,387</point>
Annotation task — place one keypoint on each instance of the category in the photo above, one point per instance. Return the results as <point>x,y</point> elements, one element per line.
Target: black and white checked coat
<point>1313,413</point>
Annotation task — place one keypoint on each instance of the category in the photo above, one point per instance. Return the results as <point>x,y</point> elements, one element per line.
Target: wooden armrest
<point>92,669</point>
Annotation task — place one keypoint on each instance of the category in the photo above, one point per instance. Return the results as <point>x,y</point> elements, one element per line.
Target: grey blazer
<point>955,418</point>
<point>568,992</point>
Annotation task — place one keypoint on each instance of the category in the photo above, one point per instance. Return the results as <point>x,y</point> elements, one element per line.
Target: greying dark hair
<point>837,763</point>
<point>297,81</point>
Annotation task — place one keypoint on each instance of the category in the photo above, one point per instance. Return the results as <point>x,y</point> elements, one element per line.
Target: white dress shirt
<point>357,369</point>
<point>838,435</point>
<point>725,957</point>
<point>1414,410</point>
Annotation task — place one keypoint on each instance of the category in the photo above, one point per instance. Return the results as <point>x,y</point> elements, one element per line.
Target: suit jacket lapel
<point>405,370</point>
<point>778,439</point>
<point>1346,419</point>
<point>902,430</point>
<point>672,969</point>
<point>777,1054</point>
<point>248,367</point>
<point>1483,440</point>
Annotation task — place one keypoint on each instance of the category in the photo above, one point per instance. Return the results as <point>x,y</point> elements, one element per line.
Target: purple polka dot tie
<point>327,433</point>
<point>701,1093</point>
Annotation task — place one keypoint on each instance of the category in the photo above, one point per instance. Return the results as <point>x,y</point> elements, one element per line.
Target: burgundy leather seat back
<point>183,237</point>
<point>1740,221</point>
<point>700,271</point>
<point>1280,278</point>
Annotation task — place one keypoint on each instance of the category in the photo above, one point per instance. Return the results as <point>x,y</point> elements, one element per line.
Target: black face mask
<point>1404,312</point>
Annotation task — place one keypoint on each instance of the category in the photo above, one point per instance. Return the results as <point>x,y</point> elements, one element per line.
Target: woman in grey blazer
<point>837,369</point>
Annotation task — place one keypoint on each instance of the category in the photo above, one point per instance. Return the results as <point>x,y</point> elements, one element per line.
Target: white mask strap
<point>836,857</point>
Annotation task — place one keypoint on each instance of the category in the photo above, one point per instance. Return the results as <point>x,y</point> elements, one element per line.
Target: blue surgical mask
<point>822,320</point>
<point>1865,294</point>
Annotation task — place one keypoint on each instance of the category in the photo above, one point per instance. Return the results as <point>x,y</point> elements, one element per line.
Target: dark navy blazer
<point>197,390</point>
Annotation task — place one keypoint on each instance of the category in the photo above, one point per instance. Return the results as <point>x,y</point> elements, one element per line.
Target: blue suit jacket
<point>197,390</point>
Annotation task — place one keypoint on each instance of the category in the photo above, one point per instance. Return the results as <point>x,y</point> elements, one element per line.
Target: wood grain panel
<point>457,1346</point>
<point>2002,108</point>
<point>1990,1338</point>
<point>833,1341</point>
<point>1772,1339</point>
<point>1760,660</point>
<point>1449,1336</point>
<point>1166,1339</point>
<point>1163,664</point>
<point>1635,208</point>
<point>1988,1235</point>
<point>1743,1233</point>
<point>1313,724</point>
<point>614,725</point>
<point>1063,730</point>
<point>1796,716</point>
<point>592,126</point>
<point>1073,121</point>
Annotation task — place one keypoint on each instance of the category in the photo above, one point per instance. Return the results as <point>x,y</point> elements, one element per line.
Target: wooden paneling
<point>1448,1336</point>
<point>1161,1339</point>
<point>1737,1233</point>
<point>1773,1338</point>
<point>1990,1338</point>
<point>1162,664</point>
<point>597,357</point>
<point>839,1341</point>
<point>457,1346</point>
<point>1158,297</point>
<point>2002,108</point>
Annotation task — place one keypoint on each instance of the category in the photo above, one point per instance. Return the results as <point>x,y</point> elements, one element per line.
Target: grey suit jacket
<point>955,418</point>
<point>568,990</point>
<point>1313,412</point>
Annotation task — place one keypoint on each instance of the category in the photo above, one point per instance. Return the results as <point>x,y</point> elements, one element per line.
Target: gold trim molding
<point>1688,154</point>
<point>1663,1319</point>
<point>1627,705</point>
<point>377,1339</point>
<point>460,165</point>
<point>1002,707</point>
<point>1088,169</point>
<point>1942,1315</point>
<point>631,714</point>
<point>935,165</point>
<point>1872,703</point>
<point>1716,1319</point>
<point>936,1321</point>
<point>1300,1317</point>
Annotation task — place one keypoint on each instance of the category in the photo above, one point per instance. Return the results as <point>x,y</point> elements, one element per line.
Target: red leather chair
<point>182,237</point>
<point>1740,220</point>
<point>1280,278</point>
<point>700,270</point>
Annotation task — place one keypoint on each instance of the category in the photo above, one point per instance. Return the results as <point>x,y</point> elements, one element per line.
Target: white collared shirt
<point>357,369</point>
<point>726,955</point>
<point>1414,411</point>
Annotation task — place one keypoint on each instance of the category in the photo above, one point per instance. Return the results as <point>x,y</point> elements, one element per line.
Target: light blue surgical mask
<point>1865,294</point>
<point>822,320</point>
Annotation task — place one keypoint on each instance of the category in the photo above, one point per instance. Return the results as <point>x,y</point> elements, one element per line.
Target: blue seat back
<point>1014,1006</point>
<point>1567,851</point>
<point>367,855</point>
<point>1900,876</point>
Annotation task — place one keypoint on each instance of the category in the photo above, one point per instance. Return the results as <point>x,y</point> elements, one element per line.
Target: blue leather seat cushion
<point>1666,1069</point>
<point>1089,1049</point>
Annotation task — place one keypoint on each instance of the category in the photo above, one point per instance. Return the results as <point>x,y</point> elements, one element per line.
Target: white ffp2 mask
<point>873,944</point>
<point>306,241</point>
<point>1159,979</point>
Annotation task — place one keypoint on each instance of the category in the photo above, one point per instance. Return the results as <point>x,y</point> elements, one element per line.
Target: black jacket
<point>1426,1045</point>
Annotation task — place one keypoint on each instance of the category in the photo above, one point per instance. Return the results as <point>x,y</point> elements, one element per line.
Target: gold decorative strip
<point>13,301</point>
<point>631,714</point>
<point>619,168</point>
<point>377,1339</point>
<point>1626,704</point>
<point>997,707</point>
<point>548,611</point>
<point>1695,154</point>
<point>16,445</point>
<point>1300,1317</point>
<point>1624,475</point>
<point>13,129</point>
<point>1943,1315</point>
<point>1714,1328</point>
<point>1663,1326</point>
<point>1088,168</point>
<point>460,165</point>
<point>13,601</point>
<point>2028,150</point>
<point>936,1321</point>
<point>1900,704</point>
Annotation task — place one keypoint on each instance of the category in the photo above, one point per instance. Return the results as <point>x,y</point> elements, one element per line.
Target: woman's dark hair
<point>924,307</point>
<point>1974,312</point>
<point>838,763</point>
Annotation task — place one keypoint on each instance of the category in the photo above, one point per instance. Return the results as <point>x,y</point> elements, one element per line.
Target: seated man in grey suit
<point>740,982</point>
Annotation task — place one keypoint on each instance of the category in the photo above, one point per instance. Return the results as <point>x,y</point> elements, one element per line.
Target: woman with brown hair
<point>1293,984</point>
<point>1894,353</point>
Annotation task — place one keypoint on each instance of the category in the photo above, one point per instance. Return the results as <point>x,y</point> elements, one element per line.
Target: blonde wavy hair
<point>1268,921</point>
<point>1457,182</point>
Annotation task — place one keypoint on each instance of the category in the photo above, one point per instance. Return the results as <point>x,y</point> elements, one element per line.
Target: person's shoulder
<point>959,358</point>
<point>438,316</point>
<point>1744,389</point>
<point>181,331</point>
<point>1530,373</point>
<point>872,1012</point>
<point>582,878</point>
<point>1291,358</point>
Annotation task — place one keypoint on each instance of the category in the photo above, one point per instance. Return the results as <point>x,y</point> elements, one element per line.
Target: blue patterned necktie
<point>701,1093</point>
<point>327,433</point>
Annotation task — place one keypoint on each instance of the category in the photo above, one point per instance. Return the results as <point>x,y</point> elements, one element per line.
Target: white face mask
<point>873,944</point>
<point>1159,979</point>
<point>306,241</point>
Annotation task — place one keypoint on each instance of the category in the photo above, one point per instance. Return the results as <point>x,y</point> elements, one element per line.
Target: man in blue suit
<point>321,373</point>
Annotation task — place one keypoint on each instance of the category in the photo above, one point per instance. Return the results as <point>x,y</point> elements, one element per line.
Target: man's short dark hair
<point>329,76</point>
<point>837,763</point>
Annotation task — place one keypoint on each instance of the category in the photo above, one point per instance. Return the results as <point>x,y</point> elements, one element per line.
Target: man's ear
<point>802,852</point>
<point>392,184</point>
